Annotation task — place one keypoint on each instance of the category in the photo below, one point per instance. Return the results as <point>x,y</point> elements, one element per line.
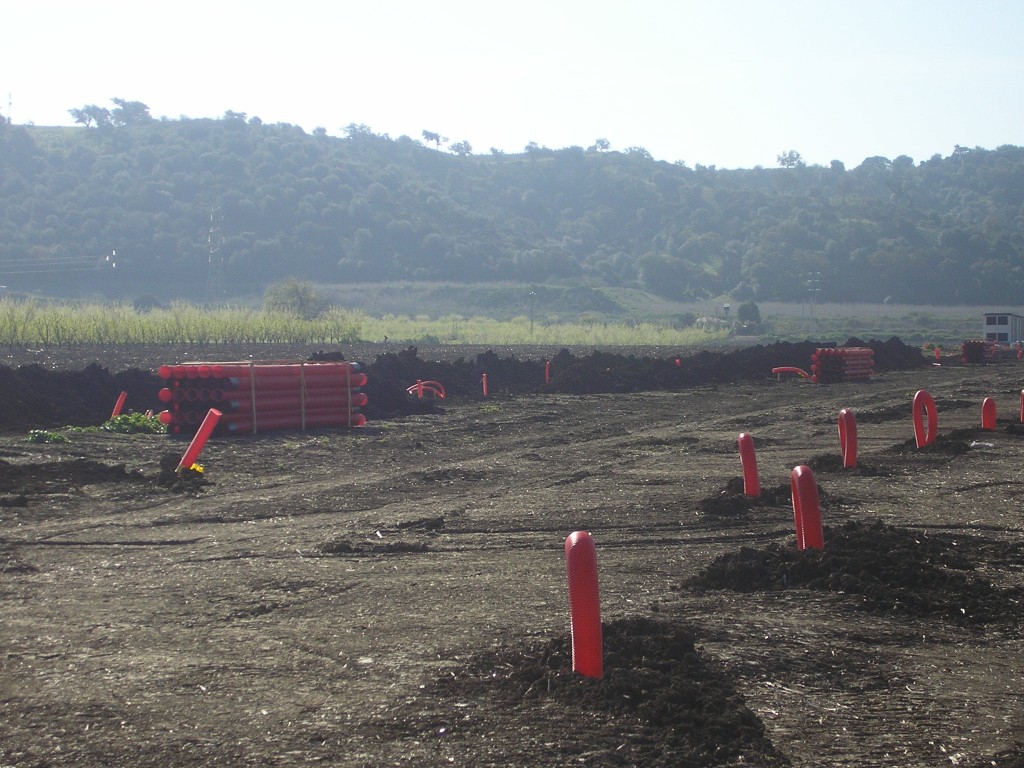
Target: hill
<point>214,209</point>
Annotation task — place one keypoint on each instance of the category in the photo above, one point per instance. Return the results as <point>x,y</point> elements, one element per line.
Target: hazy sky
<point>731,83</point>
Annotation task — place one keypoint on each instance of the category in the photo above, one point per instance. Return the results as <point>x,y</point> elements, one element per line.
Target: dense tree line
<point>162,199</point>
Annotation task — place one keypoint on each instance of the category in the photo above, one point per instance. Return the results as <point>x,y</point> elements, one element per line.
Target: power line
<point>51,264</point>
<point>215,268</point>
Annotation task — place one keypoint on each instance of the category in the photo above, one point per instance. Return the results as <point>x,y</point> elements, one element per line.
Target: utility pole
<point>814,287</point>
<point>215,264</point>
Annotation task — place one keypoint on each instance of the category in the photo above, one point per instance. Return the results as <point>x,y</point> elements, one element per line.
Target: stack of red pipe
<point>982,351</point>
<point>833,364</point>
<point>262,396</point>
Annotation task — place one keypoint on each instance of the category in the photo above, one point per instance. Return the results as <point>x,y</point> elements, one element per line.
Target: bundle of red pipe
<point>261,396</point>
<point>833,364</point>
<point>981,351</point>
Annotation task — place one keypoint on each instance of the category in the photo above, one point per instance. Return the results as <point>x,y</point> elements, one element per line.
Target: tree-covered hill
<point>166,199</point>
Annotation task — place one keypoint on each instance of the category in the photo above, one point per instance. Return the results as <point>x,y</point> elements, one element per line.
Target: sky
<point>725,83</point>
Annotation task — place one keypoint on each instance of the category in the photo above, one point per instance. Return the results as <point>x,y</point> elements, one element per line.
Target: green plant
<point>46,436</point>
<point>135,423</point>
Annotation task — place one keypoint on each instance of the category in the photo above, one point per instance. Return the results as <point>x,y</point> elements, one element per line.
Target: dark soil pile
<point>660,702</point>
<point>600,372</point>
<point>38,397</point>
<point>731,499</point>
<point>888,569</point>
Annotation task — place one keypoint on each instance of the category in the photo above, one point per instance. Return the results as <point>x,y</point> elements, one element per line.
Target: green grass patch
<point>134,423</point>
<point>47,436</point>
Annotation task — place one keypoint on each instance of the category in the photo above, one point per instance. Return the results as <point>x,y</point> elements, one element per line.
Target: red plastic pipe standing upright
<point>547,371</point>
<point>988,414</point>
<point>584,604</point>
<point>806,509</point>
<point>748,457</point>
<point>483,381</point>
<point>848,438</point>
<point>923,402</point>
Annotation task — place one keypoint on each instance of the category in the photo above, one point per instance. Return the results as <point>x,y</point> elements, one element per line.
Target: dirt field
<point>396,594</point>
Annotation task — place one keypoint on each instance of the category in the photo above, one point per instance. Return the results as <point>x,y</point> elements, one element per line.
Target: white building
<point>1003,327</point>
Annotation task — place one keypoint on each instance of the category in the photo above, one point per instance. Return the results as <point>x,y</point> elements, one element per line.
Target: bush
<point>293,296</point>
<point>748,314</point>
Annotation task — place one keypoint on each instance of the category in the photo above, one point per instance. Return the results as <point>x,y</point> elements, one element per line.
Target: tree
<point>747,313</point>
<point>358,130</point>
<point>129,113</point>
<point>462,148</point>
<point>293,296</point>
<point>639,152</point>
<point>90,114</point>
<point>790,159</point>
<point>601,145</point>
<point>435,138</point>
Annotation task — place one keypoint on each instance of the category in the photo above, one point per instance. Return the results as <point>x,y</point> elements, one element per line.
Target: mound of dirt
<point>890,571</point>
<point>661,702</point>
<point>33,396</point>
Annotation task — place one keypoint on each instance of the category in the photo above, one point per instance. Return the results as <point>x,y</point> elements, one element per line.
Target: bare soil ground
<point>396,594</point>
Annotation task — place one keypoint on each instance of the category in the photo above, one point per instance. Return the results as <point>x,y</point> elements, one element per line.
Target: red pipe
<point>119,404</point>
<point>292,414</point>
<point>806,509</point>
<point>791,369</point>
<point>988,414</point>
<point>584,604</point>
<point>923,402</point>
<point>236,424</point>
<point>748,458</point>
<point>433,387</point>
<point>848,438</point>
<point>328,395</point>
<point>222,370</point>
<point>357,400</point>
<point>347,381</point>
<point>194,448</point>
<point>484,382</point>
